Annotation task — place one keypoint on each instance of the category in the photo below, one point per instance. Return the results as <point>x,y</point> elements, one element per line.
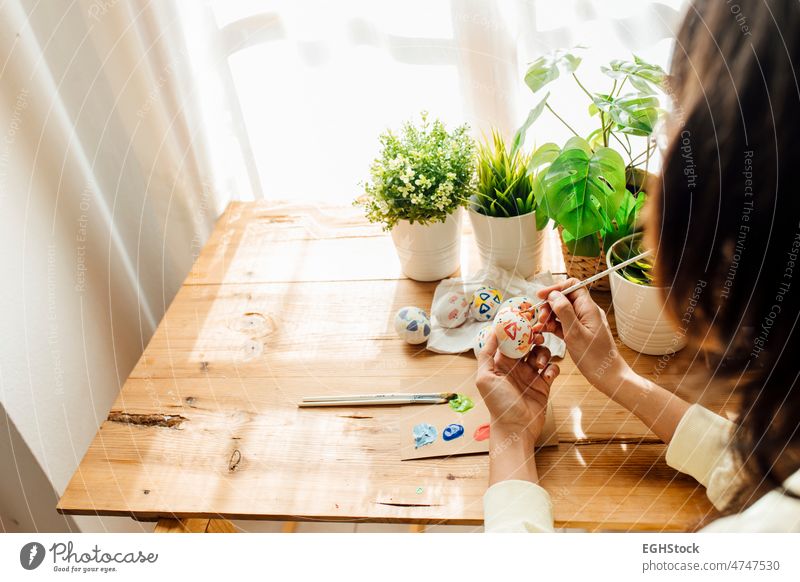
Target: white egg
<point>412,325</point>
<point>451,309</point>
<point>514,334</point>
<point>480,339</point>
<point>485,303</point>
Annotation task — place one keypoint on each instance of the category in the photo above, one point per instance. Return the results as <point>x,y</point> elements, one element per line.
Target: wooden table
<point>207,424</point>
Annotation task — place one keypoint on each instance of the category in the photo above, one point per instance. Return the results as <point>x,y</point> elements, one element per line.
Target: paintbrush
<point>377,399</point>
<point>593,278</point>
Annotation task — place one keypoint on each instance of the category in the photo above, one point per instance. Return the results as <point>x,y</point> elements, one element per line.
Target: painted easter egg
<point>412,325</point>
<point>480,339</point>
<point>514,334</point>
<point>520,304</point>
<point>451,309</point>
<point>485,303</point>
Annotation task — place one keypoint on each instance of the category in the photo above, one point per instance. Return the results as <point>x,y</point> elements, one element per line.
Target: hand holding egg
<point>514,334</point>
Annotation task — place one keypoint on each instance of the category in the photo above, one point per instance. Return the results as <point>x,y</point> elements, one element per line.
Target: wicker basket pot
<point>584,267</point>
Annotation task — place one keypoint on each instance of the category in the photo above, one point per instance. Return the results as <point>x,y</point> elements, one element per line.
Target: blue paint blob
<point>424,434</point>
<point>452,431</point>
<point>427,330</point>
<point>412,326</point>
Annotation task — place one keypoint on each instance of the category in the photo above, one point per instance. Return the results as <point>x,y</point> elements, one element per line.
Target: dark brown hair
<point>724,215</point>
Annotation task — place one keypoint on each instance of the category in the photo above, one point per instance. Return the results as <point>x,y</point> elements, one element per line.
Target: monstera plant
<point>592,187</point>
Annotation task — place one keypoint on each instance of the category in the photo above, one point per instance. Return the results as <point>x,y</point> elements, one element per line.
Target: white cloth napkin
<point>459,339</point>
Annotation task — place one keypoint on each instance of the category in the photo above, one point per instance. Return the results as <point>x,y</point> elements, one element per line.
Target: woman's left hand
<point>516,391</point>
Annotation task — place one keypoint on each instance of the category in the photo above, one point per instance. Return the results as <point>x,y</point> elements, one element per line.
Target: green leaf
<point>595,139</point>
<point>645,77</point>
<point>541,219</point>
<point>529,202</point>
<point>583,189</point>
<point>635,276</point>
<point>578,143</point>
<point>587,246</point>
<point>547,68</point>
<point>533,115</point>
<point>633,113</point>
<point>538,191</point>
<point>625,221</point>
<point>544,154</point>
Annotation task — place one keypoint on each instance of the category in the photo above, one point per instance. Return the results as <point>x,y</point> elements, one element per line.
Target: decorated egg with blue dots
<point>520,304</point>
<point>485,303</point>
<point>514,334</point>
<point>451,309</point>
<point>412,325</point>
<point>480,339</point>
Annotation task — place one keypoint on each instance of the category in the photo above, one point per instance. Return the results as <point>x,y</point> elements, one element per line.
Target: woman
<point>724,219</point>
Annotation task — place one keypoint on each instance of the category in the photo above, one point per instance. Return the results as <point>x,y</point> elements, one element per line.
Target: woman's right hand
<point>584,327</point>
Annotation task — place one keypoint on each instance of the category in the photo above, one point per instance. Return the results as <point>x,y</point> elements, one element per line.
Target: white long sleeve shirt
<point>698,448</point>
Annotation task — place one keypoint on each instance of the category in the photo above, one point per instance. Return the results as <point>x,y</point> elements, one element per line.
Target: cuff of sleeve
<point>699,443</point>
<point>517,506</point>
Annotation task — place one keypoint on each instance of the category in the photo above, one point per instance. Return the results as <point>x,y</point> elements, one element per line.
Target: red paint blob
<point>482,432</point>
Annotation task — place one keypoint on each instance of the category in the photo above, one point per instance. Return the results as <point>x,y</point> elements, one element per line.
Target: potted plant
<point>421,179</point>
<point>583,185</point>
<point>502,210</point>
<point>638,305</point>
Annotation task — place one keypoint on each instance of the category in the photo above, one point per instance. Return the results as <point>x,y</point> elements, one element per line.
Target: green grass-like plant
<point>504,186</point>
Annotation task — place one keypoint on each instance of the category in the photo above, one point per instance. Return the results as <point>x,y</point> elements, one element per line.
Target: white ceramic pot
<point>642,323</point>
<point>430,252</point>
<point>513,243</point>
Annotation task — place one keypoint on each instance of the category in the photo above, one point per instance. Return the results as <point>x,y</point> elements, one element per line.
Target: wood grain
<point>286,301</point>
<point>172,525</point>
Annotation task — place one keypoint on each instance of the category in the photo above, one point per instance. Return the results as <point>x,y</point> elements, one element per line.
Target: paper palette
<point>440,416</point>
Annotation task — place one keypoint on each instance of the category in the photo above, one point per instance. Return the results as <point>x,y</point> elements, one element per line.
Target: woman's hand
<point>515,391</point>
<point>584,327</point>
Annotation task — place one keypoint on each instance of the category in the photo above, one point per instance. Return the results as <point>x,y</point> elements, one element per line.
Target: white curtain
<point>112,173</point>
<point>126,126</point>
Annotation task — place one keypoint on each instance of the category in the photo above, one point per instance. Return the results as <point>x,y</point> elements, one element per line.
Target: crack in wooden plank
<point>173,421</point>
<point>236,458</point>
<point>408,504</point>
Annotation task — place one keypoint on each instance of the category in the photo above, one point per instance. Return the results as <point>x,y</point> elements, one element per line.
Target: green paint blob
<point>461,403</point>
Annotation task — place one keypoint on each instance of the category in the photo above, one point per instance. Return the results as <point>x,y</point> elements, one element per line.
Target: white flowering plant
<point>423,174</point>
